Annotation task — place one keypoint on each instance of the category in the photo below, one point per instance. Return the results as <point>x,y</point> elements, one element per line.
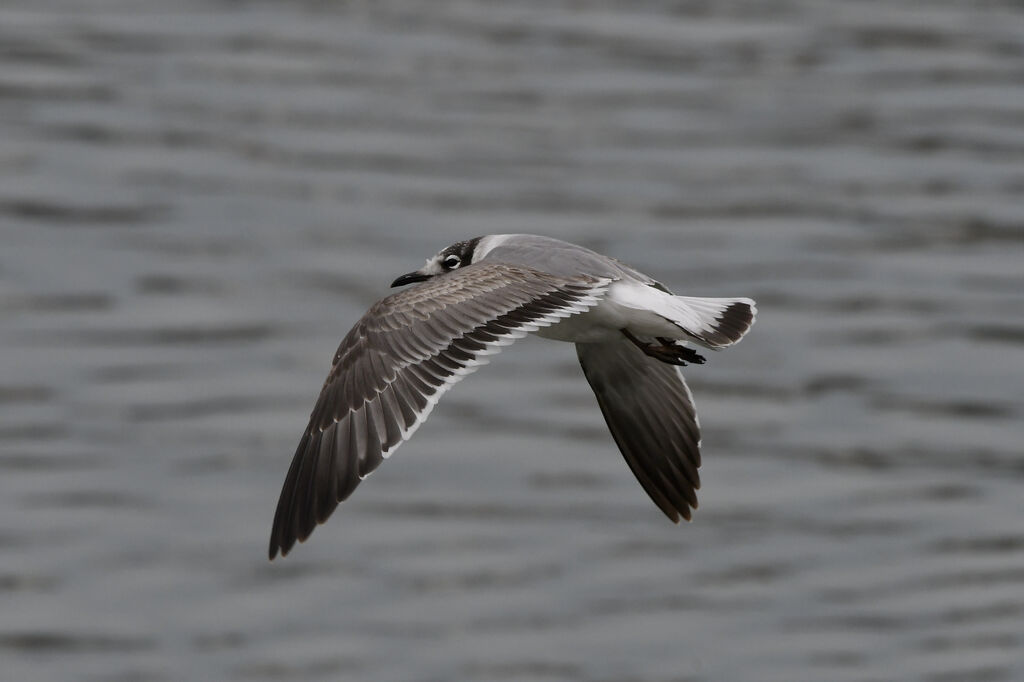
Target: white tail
<point>712,322</point>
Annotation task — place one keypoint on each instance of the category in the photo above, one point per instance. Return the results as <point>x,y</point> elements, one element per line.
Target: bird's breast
<point>626,306</point>
<point>600,323</point>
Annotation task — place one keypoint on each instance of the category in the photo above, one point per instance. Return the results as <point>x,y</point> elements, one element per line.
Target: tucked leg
<point>668,352</point>
<point>688,354</point>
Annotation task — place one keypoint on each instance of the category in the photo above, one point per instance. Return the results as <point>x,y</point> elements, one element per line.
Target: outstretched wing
<point>649,410</point>
<point>395,364</point>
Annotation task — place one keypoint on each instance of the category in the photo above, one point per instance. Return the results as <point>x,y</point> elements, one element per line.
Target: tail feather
<point>713,322</point>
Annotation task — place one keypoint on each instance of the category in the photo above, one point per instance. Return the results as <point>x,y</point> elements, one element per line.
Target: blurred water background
<point>197,200</point>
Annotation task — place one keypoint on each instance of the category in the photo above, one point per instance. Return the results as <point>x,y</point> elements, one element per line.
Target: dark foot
<point>688,354</point>
<point>668,352</point>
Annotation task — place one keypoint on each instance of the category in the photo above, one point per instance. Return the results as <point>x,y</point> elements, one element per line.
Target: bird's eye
<point>451,262</point>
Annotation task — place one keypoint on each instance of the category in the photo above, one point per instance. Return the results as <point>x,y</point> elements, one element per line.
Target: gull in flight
<point>468,301</point>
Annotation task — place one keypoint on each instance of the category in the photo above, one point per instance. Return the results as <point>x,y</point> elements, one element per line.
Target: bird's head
<point>458,255</point>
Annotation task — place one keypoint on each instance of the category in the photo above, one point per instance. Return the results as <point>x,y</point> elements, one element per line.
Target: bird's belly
<point>605,321</point>
<point>582,328</point>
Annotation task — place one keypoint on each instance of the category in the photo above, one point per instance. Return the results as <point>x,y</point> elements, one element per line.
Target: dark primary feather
<point>395,362</point>
<point>650,413</point>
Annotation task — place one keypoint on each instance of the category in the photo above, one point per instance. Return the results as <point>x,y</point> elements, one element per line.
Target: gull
<point>471,299</point>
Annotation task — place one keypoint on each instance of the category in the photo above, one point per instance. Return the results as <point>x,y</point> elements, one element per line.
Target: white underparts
<point>647,312</point>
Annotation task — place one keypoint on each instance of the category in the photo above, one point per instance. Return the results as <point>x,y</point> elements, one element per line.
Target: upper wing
<point>393,366</point>
<point>650,412</point>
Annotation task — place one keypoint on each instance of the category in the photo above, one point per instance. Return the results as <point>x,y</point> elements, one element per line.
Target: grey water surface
<point>198,199</point>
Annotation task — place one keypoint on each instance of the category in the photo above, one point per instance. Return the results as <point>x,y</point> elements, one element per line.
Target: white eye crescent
<point>451,262</point>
